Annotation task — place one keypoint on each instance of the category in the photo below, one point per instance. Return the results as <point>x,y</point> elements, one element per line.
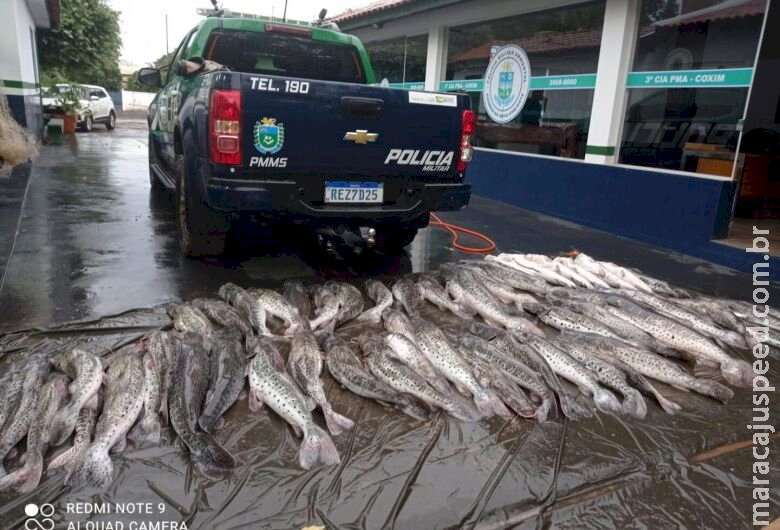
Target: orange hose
<point>455,230</point>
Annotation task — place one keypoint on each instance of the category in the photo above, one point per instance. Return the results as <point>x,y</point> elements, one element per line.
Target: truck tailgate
<point>302,127</point>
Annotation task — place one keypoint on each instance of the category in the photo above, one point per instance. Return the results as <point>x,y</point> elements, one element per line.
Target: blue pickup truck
<point>286,123</point>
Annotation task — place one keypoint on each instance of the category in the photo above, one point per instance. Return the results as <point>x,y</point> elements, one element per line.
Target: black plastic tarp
<point>691,470</point>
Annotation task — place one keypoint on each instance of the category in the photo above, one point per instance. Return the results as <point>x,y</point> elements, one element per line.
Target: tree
<point>84,48</point>
<point>161,63</point>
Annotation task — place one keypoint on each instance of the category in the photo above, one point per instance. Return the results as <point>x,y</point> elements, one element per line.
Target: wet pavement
<point>92,241</point>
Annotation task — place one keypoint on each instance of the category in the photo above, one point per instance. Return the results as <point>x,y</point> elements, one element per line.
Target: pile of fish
<point>512,334</point>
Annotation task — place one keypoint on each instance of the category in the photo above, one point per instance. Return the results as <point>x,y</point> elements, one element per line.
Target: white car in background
<point>96,106</point>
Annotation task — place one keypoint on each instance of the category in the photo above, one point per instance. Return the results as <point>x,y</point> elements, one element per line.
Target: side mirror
<point>180,68</point>
<point>93,98</point>
<point>150,77</point>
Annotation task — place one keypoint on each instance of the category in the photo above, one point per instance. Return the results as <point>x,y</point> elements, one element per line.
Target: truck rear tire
<point>201,230</point>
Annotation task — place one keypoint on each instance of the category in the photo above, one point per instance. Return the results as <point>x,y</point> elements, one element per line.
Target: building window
<point>562,46</point>
<point>689,83</point>
<point>401,61</point>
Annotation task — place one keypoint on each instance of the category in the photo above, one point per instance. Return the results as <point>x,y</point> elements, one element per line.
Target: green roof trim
<point>604,150</point>
<point>404,10</point>
<point>10,83</point>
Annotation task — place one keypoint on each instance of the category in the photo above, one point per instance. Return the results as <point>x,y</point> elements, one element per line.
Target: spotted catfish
<point>347,369</point>
<point>246,304</point>
<point>430,290</point>
<point>275,304</point>
<point>434,344</point>
<point>269,386</point>
<point>400,377</point>
<point>382,298</point>
<point>86,370</point>
<point>123,403</point>
<point>53,393</point>
<point>681,337</point>
<point>305,366</point>
<point>36,368</point>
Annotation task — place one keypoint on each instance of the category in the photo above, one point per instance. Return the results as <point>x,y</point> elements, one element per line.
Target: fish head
<point>227,334</point>
<point>368,341</point>
<point>536,309</point>
<point>483,330</point>
<point>61,361</point>
<point>738,373</point>
<point>58,383</point>
<point>331,342</point>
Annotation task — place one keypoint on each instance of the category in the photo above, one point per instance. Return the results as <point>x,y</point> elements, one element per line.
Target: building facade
<point>654,119</point>
<point>19,77</point>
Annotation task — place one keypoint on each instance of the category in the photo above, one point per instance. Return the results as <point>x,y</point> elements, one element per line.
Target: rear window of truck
<point>285,55</point>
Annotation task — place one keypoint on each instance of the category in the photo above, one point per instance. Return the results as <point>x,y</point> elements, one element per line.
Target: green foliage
<point>84,48</point>
<point>655,10</point>
<point>164,60</point>
<point>161,63</point>
<point>69,101</point>
<point>134,86</point>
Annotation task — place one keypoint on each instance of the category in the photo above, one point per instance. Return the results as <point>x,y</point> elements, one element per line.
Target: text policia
<point>761,425</point>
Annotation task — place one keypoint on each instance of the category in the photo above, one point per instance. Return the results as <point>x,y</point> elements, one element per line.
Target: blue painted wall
<point>27,110</point>
<point>116,97</point>
<point>670,210</point>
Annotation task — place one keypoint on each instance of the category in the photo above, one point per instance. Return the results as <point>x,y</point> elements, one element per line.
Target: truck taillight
<point>225,127</point>
<point>467,128</point>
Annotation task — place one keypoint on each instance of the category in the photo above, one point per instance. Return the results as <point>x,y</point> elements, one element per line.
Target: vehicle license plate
<point>354,192</point>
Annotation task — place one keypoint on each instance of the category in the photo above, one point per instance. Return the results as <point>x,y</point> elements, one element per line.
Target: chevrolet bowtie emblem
<point>361,136</point>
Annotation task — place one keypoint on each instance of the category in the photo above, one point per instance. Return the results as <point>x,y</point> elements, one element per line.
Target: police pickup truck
<point>286,123</point>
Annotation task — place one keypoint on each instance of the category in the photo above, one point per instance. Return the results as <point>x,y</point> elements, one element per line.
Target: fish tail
<point>416,412</point>
<point>210,458</point>
<point>335,422</point>
<point>521,407</point>
<point>441,385</point>
<point>370,316</point>
<point>547,409</point>
<point>738,373</point>
<point>735,340</point>
<point>489,404</point>
<point>712,389</point>
<point>571,408</point>
<point>634,404</point>
<point>606,401</point>
<point>63,426</point>
<point>164,407</point>
<point>150,428</point>
<point>32,474</point>
<point>95,469</point>
<point>669,406</point>
<point>9,480</point>
<point>317,448</point>
<point>207,423</point>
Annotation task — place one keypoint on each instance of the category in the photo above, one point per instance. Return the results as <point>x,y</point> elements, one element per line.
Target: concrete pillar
<point>436,61</point>
<point>618,42</point>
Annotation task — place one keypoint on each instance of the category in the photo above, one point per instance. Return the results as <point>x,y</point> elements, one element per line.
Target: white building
<point>654,119</point>
<point>19,79</point>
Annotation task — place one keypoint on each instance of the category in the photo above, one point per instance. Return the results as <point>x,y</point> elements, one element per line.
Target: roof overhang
<point>393,11</point>
<point>45,13</point>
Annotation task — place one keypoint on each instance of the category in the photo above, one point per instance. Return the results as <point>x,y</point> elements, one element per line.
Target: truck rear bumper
<point>303,201</point>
